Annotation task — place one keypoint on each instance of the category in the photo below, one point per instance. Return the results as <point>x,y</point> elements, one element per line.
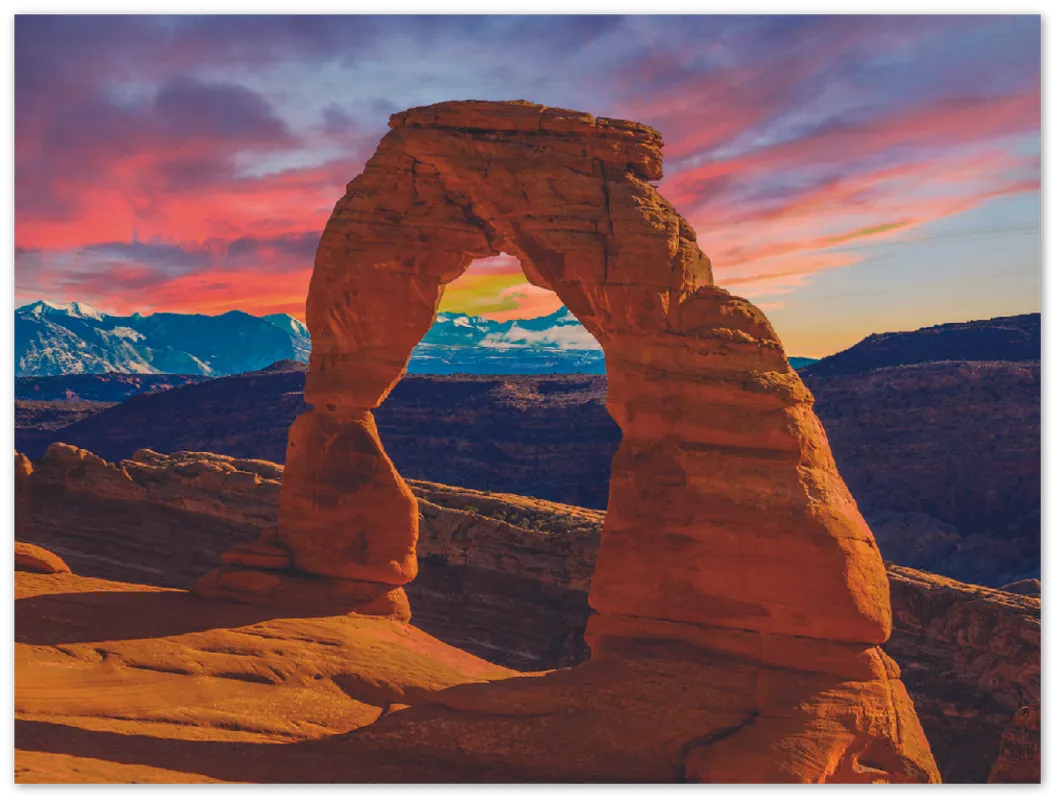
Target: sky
<point>849,175</point>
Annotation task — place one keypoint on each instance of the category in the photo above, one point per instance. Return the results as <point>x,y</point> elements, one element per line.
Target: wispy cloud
<point>189,163</point>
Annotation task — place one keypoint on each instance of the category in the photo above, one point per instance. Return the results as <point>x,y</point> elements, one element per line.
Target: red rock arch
<point>731,546</point>
<point>727,517</point>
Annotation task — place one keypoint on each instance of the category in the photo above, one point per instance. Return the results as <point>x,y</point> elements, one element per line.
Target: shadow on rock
<point>325,761</point>
<point>110,616</point>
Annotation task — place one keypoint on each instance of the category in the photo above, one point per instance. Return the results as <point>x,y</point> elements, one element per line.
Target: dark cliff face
<point>548,436</point>
<point>242,415</point>
<point>540,436</point>
<point>52,415</point>
<point>944,461</point>
<point>970,657</point>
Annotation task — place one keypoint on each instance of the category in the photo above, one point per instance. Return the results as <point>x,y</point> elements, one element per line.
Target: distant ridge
<point>102,387</point>
<point>286,365</point>
<point>1016,338</point>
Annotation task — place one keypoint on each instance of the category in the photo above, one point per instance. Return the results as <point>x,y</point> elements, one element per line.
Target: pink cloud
<point>947,125</point>
<point>774,243</point>
<point>217,291</point>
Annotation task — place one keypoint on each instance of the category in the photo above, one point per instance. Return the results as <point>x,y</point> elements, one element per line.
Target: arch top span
<point>568,194</point>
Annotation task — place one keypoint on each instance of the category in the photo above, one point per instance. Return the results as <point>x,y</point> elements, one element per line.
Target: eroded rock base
<point>31,558</point>
<point>259,573</point>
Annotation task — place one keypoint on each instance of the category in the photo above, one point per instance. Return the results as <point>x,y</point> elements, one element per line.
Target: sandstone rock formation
<point>235,489</point>
<point>729,535</point>
<point>973,656</point>
<point>506,578</point>
<point>23,471</point>
<point>1020,755</point>
<point>30,558</point>
<point>157,519</point>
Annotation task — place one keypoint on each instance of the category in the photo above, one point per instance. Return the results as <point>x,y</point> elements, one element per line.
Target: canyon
<point>943,457</point>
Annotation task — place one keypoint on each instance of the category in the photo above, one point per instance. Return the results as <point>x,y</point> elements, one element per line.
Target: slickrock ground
<point>136,683</point>
<point>506,578</point>
<point>124,682</point>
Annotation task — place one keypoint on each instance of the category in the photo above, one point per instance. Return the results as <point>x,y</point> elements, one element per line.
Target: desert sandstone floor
<point>123,683</point>
<point>119,682</point>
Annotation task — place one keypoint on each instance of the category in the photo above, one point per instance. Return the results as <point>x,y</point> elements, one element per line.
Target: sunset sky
<point>847,174</point>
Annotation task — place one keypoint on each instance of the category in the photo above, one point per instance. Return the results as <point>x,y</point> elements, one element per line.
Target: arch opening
<point>501,397</point>
<point>514,385</point>
<point>491,321</point>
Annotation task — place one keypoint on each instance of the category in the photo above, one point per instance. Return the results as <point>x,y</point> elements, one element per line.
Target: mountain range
<point>53,339</point>
<point>460,343</point>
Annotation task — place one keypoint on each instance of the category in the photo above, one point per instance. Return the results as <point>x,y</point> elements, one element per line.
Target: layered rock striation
<point>972,656</point>
<point>31,558</point>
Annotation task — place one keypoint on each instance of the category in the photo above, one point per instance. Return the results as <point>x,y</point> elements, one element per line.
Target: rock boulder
<point>31,558</point>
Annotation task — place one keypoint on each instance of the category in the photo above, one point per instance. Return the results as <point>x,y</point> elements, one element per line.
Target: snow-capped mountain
<point>45,308</point>
<point>461,343</point>
<point>299,336</point>
<point>560,331</point>
<point>53,339</point>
